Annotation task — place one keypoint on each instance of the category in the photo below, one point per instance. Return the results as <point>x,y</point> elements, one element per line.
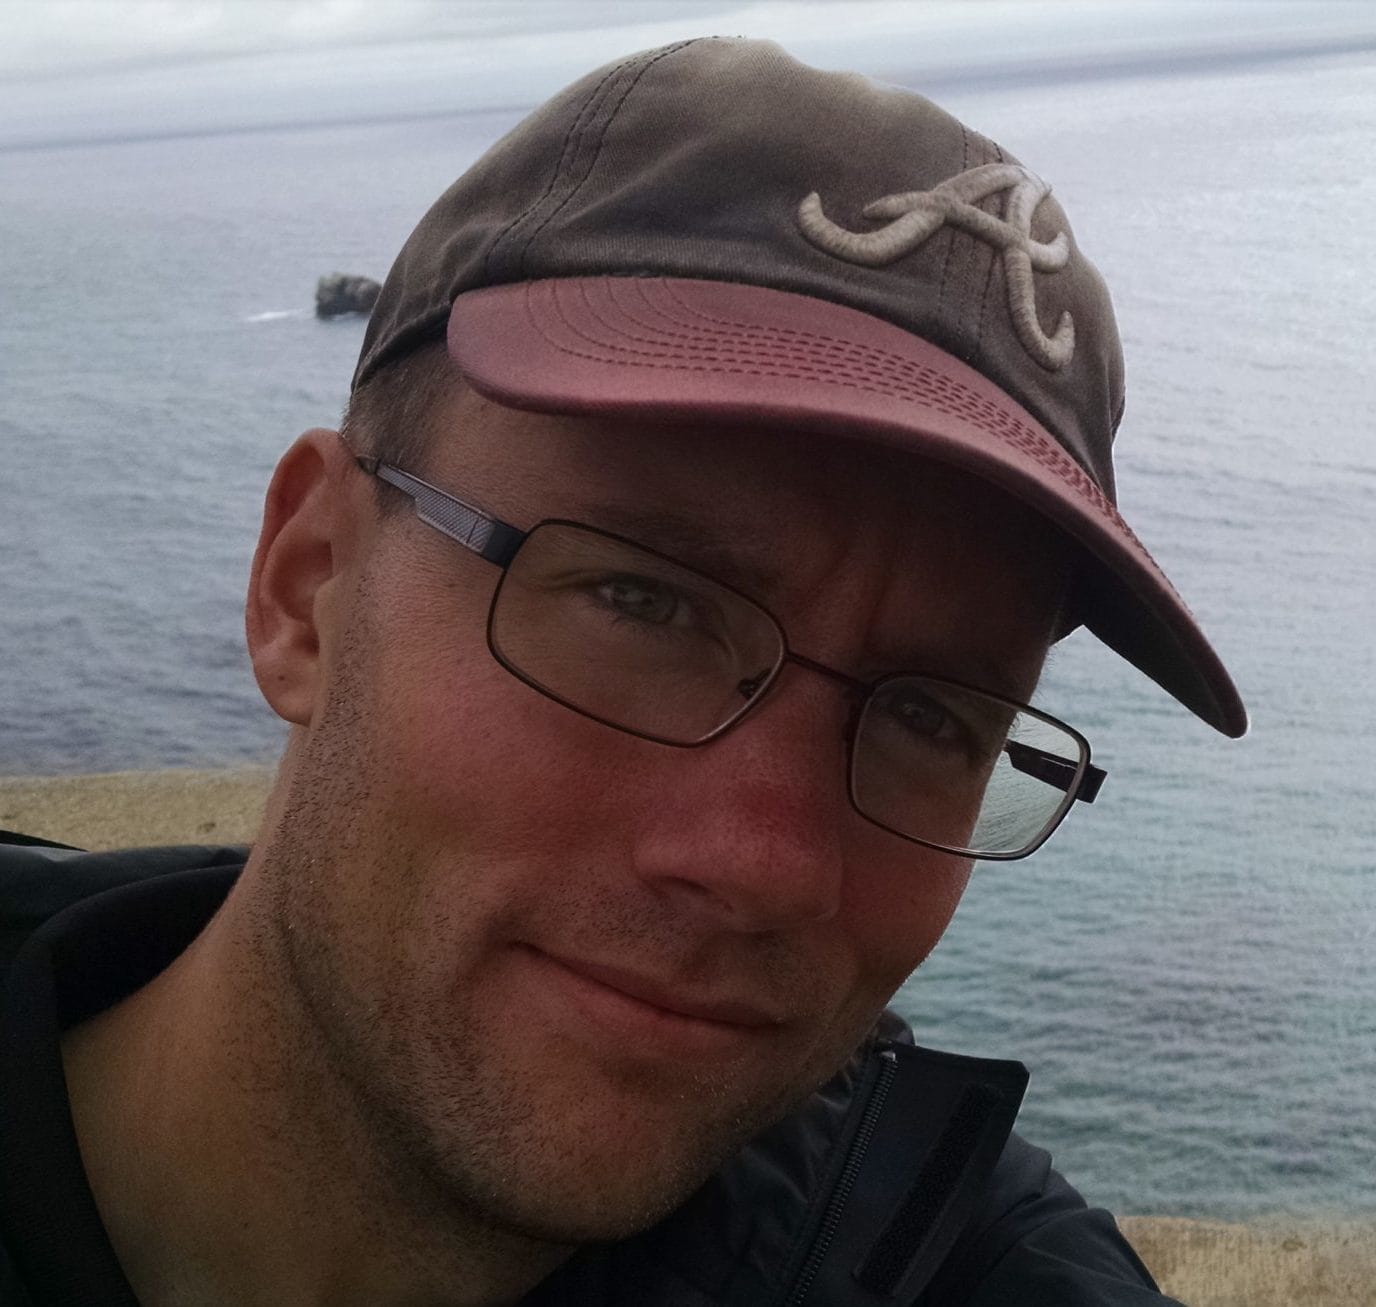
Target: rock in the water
<point>340,293</point>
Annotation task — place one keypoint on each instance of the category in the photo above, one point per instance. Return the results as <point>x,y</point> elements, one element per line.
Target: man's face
<point>567,971</point>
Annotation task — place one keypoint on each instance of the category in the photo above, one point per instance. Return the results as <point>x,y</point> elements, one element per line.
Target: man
<point>727,448</point>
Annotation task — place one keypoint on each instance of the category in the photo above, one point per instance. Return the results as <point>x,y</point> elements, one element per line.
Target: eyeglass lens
<point>652,647</point>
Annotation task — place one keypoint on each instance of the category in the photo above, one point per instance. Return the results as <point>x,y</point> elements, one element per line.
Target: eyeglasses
<point>642,643</point>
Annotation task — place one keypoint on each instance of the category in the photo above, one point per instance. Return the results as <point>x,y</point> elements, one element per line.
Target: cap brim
<point>679,349</point>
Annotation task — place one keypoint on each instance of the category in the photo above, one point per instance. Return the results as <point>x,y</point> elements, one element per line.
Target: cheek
<point>897,912</point>
<point>505,801</point>
<point>468,742</point>
<point>892,917</point>
<point>491,759</point>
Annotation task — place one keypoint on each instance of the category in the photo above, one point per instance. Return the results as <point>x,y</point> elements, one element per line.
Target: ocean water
<point>1189,968</point>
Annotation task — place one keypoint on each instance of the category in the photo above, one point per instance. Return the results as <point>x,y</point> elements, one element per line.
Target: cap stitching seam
<point>754,331</point>
<point>574,128</point>
<point>597,153</point>
<point>1011,430</point>
<point>752,328</point>
<point>864,357</point>
<point>568,155</point>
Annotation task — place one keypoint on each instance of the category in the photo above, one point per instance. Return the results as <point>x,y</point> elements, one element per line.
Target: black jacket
<point>898,1182</point>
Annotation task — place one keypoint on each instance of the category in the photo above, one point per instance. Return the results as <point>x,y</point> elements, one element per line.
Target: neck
<point>231,1166</point>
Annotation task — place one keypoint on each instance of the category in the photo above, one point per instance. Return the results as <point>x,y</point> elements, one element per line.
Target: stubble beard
<point>459,1146</point>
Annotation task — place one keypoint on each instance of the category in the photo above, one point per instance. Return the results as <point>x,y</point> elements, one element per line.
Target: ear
<point>307,539</point>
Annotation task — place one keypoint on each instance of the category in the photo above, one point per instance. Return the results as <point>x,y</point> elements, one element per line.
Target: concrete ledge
<point>1269,1264</point>
<point>123,809</point>
<point>1201,1263</point>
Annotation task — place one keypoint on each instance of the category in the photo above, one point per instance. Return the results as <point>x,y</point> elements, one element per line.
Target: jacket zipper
<point>888,1069</point>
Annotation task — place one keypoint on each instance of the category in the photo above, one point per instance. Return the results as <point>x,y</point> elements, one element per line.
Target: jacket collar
<point>857,1197</point>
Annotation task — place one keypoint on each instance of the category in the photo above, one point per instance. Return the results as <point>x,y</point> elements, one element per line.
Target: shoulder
<point>1034,1240</point>
<point>38,881</point>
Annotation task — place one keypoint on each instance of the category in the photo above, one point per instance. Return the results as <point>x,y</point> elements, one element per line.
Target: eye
<point>934,719</point>
<point>918,713</point>
<point>644,599</point>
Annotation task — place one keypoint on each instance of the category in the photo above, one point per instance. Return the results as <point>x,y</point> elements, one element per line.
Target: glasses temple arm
<point>489,538</point>
<point>1055,770</point>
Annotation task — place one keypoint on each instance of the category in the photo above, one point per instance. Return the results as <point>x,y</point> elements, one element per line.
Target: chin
<point>558,1199</point>
<point>602,1172</point>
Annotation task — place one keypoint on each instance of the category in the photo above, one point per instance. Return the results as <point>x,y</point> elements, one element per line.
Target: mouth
<point>650,1012</point>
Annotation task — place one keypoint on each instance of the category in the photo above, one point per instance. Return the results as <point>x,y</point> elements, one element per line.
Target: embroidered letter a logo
<point>913,216</point>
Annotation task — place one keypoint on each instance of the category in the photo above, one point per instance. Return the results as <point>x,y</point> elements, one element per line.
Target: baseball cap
<point>714,231</point>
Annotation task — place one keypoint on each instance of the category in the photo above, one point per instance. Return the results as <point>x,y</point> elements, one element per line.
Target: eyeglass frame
<point>498,542</point>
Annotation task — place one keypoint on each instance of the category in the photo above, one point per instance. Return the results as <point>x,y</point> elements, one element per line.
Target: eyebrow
<point>686,540</point>
<point>989,672</point>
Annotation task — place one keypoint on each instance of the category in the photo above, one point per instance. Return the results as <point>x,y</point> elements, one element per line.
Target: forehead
<point>791,517</point>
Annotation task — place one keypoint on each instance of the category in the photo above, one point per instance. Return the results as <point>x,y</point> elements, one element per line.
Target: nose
<point>752,831</point>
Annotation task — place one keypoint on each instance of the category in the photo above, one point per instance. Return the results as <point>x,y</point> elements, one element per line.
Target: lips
<point>671,998</point>
<point>653,1010</point>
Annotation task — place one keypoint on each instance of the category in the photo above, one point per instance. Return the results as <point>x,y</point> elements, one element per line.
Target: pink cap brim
<point>678,349</point>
